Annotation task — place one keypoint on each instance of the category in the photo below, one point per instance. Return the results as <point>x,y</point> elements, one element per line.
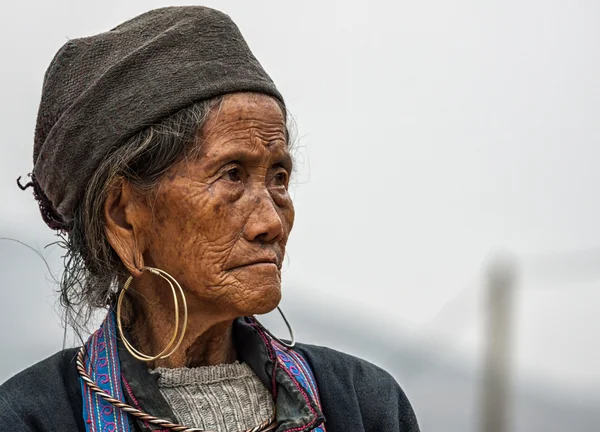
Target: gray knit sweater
<point>224,398</point>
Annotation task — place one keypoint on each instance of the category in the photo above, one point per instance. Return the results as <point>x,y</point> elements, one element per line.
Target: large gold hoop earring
<point>165,352</point>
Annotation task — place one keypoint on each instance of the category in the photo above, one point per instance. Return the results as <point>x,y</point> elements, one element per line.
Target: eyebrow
<point>286,161</point>
<point>241,154</point>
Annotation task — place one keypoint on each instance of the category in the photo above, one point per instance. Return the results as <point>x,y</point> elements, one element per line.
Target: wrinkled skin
<point>218,223</point>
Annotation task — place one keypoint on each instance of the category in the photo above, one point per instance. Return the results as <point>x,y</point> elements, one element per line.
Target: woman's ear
<point>124,213</point>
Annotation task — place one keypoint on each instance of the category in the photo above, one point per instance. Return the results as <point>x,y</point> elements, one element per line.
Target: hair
<point>92,269</point>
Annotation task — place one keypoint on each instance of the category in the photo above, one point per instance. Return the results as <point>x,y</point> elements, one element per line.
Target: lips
<point>260,259</point>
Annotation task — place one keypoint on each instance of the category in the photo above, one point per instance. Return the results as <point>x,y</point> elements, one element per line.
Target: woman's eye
<point>233,175</point>
<point>280,178</point>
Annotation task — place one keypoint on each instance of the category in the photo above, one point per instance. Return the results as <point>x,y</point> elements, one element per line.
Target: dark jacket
<point>355,395</point>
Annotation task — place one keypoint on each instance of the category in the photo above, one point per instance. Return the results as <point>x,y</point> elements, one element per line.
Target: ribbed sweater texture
<point>223,398</point>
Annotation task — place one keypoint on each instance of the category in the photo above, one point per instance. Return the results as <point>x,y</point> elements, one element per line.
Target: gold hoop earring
<point>170,280</point>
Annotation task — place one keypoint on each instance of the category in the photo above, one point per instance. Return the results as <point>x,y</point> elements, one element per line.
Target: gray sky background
<point>431,133</point>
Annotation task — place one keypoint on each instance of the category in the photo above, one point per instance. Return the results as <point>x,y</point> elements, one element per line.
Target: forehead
<point>242,126</point>
<point>253,109</point>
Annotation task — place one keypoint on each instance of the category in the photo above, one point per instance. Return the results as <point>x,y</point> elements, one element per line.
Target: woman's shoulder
<point>42,394</point>
<point>355,391</point>
<point>39,377</point>
<point>345,366</point>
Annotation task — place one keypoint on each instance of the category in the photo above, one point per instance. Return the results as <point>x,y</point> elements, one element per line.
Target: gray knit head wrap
<point>101,90</point>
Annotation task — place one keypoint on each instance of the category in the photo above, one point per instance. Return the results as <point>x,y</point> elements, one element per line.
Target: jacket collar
<point>254,347</point>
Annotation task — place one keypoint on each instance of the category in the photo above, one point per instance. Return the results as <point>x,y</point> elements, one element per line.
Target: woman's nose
<point>264,224</point>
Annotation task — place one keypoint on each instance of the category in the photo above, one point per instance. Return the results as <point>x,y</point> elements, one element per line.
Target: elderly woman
<point>162,154</point>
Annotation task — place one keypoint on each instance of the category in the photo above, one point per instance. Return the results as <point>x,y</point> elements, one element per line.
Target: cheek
<point>201,211</point>
<point>288,212</point>
<point>192,224</point>
<point>287,215</point>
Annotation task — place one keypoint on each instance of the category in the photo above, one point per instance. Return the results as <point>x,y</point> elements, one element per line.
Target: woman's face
<point>220,221</point>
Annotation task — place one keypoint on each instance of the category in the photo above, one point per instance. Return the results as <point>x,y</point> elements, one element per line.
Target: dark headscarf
<point>101,90</point>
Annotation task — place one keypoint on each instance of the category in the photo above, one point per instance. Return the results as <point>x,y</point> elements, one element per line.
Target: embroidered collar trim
<point>113,369</point>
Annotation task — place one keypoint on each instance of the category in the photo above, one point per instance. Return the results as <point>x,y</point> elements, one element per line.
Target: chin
<point>262,289</point>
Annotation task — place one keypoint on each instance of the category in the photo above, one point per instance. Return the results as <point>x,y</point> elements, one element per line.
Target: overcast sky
<point>431,133</point>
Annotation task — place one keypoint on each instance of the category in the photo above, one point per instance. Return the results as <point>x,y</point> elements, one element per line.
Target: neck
<point>208,339</point>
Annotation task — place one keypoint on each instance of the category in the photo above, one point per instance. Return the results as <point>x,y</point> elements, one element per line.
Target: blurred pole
<point>501,275</point>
